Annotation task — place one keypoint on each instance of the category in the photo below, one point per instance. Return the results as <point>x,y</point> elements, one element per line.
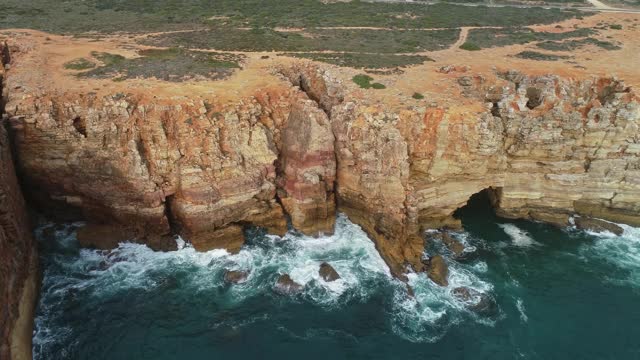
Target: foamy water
<point>621,251</point>
<point>80,284</point>
<point>518,236</point>
<point>362,271</point>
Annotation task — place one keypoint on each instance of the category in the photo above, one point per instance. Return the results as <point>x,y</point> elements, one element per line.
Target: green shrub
<point>615,27</point>
<point>166,64</point>
<point>364,81</point>
<point>417,96</point>
<point>533,55</point>
<point>367,61</point>
<point>79,64</point>
<point>107,58</point>
<point>469,46</point>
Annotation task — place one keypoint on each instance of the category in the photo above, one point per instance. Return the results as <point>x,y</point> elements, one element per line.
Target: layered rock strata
<point>309,144</point>
<point>18,258</point>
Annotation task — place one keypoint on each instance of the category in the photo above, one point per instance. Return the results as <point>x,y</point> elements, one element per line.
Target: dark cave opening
<point>482,203</point>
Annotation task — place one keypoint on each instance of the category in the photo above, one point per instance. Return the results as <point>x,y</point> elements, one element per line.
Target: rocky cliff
<point>18,256</point>
<point>308,143</point>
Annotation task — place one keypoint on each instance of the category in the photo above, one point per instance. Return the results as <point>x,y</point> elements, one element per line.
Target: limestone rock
<point>103,237</point>
<point>235,276</point>
<point>309,168</point>
<point>585,223</point>
<point>306,144</point>
<point>328,273</point>
<point>230,238</point>
<point>107,237</point>
<point>18,259</point>
<point>438,271</point>
<point>286,286</point>
<point>454,245</point>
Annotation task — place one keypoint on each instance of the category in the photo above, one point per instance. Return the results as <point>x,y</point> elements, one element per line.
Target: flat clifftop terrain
<point>162,118</point>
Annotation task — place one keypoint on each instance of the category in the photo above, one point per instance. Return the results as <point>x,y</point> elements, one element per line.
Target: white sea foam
<point>622,251</point>
<point>521,310</point>
<point>434,309</point>
<point>518,236</point>
<point>104,274</point>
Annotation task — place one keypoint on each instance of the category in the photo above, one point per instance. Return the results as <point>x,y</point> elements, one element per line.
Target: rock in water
<point>410,291</point>
<point>286,286</point>
<point>475,301</point>
<point>454,245</point>
<point>235,276</point>
<point>585,223</point>
<point>438,270</point>
<point>328,273</point>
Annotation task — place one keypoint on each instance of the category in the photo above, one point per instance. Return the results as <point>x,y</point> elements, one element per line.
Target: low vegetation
<point>469,46</point>
<point>264,39</point>
<point>570,45</point>
<point>79,64</point>
<point>74,16</point>
<point>534,55</point>
<point>487,38</point>
<point>365,82</point>
<point>165,64</point>
<point>366,61</point>
<point>417,96</point>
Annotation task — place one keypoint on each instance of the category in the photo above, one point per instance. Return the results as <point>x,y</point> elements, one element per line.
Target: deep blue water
<point>559,293</point>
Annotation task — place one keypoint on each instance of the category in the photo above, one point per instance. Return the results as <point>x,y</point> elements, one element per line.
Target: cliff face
<point>18,258</point>
<point>308,144</point>
<point>545,147</point>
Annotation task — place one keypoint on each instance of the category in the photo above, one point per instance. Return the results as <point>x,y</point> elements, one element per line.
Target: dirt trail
<point>464,32</point>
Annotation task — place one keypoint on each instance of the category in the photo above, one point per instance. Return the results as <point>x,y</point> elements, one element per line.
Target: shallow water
<point>559,293</point>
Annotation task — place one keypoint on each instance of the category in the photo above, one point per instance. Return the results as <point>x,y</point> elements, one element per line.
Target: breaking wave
<point>518,236</point>
<point>622,252</point>
<point>72,274</point>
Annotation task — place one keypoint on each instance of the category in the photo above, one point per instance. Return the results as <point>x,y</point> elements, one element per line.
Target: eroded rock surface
<point>305,143</point>
<point>585,223</point>
<point>18,258</point>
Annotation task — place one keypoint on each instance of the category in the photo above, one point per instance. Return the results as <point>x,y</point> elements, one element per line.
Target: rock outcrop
<point>585,223</point>
<point>18,258</point>
<point>308,169</point>
<point>307,144</point>
<point>438,271</point>
<point>328,273</point>
<point>286,286</point>
<point>235,276</point>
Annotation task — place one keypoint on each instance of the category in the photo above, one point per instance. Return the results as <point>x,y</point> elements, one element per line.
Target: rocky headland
<point>289,142</point>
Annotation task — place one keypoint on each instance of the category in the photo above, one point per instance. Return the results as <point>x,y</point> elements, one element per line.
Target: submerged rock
<point>410,292</point>
<point>328,273</point>
<point>585,223</point>
<point>438,271</point>
<point>475,301</point>
<point>235,276</point>
<point>286,286</point>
